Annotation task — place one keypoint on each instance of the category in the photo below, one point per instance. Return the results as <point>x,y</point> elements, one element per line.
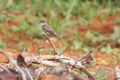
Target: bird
<point>48,29</point>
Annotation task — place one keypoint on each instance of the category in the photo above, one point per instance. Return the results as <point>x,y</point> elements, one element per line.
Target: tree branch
<point>15,64</point>
<point>54,48</point>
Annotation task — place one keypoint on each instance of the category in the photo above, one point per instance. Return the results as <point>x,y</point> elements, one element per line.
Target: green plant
<point>54,23</point>
<point>3,18</point>
<point>21,45</point>
<point>94,37</point>
<point>117,56</point>
<point>117,20</point>
<point>5,30</point>
<point>101,75</point>
<point>24,26</point>
<point>86,49</point>
<point>15,28</point>
<point>79,71</point>
<point>77,45</point>
<point>115,36</point>
<point>77,35</point>
<point>108,49</point>
<point>2,44</point>
<point>49,51</point>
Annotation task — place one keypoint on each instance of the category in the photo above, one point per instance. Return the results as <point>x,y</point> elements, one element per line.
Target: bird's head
<point>42,22</point>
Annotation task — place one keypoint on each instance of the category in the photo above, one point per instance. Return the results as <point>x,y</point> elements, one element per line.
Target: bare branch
<point>15,64</point>
<point>63,59</point>
<point>4,68</point>
<point>76,75</point>
<point>37,59</point>
<point>90,76</point>
<point>117,73</point>
<point>53,46</point>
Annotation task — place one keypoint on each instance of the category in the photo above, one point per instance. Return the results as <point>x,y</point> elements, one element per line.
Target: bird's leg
<point>53,46</point>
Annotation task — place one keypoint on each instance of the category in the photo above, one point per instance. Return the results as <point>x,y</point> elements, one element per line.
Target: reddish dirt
<point>49,77</point>
<point>109,71</point>
<point>105,26</point>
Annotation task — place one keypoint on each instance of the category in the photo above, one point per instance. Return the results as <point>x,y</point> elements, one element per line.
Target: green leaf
<point>17,1</point>
<point>49,51</point>
<point>101,74</point>
<point>15,28</point>
<point>77,45</point>
<point>6,31</point>
<point>77,34</point>
<point>21,45</point>
<point>79,71</point>
<point>103,49</point>
<point>107,49</point>
<point>86,49</point>
<point>2,43</point>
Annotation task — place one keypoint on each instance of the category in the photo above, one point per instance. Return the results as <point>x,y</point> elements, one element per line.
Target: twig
<point>76,64</point>
<point>90,76</point>
<point>15,64</point>
<point>60,69</point>
<point>54,48</point>
<point>76,75</point>
<point>37,75</point>
<point>117,73</point>
<point>4,68</point>
<point>88,54</point>
<point>39,60</point>
<point>28,72</point>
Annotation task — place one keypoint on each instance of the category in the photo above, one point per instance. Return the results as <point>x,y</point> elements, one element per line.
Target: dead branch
<point>76,75</point>
<point>90,76</point>
<point>117,73</point>
<point>86,59</point>
<point>21,63</point>
<point>39,60</point>
<point>87,55</point>
<point>60,69</point>
<point>53,46</point>
<point>76,64</point>
<point>15,64</point>
<point>37,75</point>
<point>63,59</point>
<point>5,69</point>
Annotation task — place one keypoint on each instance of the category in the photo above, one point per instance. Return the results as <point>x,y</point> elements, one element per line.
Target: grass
<point>61,15</point>
<point>2,44</point>
<point>101,75</point>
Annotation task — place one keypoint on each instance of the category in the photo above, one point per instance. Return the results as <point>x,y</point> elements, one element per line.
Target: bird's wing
<point>48,29</point>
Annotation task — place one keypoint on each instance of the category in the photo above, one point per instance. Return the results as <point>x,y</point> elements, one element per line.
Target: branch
<point>64,59</point>
<point>15,64</point>
<point>76,75</point>
<point>59,71</point>
<point>117,73</point>
<point>4,68</point>
<point>87,55</point>
<point>39,60</point>
<point>90,76</point>
<point>54,48</point>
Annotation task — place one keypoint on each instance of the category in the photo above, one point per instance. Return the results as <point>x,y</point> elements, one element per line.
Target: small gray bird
<point>47,29</point>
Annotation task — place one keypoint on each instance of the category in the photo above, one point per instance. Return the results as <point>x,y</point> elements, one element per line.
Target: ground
<point>102,60</point>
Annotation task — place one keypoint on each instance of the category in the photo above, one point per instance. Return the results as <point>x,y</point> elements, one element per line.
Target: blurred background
<point>82,24</point>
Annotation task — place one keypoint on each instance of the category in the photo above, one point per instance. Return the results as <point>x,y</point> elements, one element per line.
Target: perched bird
<point>47,29</point>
